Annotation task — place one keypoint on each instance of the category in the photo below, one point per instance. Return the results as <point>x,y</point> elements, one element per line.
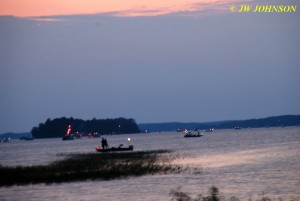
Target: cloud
<point>194,9</point>
<point>132,8</point>
<point>44,19</point>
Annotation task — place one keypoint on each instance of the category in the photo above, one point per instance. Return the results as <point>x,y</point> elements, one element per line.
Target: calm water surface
<point>243,163</point>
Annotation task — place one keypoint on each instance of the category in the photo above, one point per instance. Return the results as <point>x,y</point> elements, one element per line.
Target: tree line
<point>276,121</point>
<point>58,127</point>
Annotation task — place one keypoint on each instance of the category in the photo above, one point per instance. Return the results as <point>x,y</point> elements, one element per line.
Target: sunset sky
<point>154,61</point>
<point>30,8</point>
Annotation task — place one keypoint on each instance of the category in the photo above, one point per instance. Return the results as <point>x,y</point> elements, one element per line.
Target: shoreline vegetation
<point>91,166</point>
<point>58,127</point>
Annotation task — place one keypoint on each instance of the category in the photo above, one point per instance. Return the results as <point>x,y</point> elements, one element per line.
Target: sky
<point>154,61</point>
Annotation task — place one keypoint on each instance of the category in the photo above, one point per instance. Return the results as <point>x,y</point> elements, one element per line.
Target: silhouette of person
<point>103,143</point>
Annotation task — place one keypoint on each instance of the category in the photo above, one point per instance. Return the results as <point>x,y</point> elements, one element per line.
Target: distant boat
<point>7,139</point>
<point>120,148</point>
<point>68,136</point>
<point>94,135</point>
<point>189,134</point>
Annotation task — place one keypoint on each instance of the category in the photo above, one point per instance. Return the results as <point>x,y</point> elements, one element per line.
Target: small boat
<point>189,134</point>
<point>193,135</point>
<point>6,139</point>
<point>68,135</point>
<point>209,130</point>
<point>120,148</point>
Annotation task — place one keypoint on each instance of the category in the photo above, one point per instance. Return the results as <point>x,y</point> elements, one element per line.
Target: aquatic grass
<point>92,166</point>
<point>214,195</point>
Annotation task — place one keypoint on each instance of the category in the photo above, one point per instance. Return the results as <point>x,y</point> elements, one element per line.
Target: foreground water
<point>244,163</point>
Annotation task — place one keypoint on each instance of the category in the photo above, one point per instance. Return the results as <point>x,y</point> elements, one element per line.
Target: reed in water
<point>92,166</point>
<point>213,194</point>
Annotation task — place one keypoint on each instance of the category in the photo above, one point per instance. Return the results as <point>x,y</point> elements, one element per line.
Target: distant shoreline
<point>268,122</point>
<point>275,121</point>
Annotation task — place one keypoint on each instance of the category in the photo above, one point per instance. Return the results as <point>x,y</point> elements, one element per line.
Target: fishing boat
<point>120,148</point>
<point>189,134</point>
<point>68,135</point>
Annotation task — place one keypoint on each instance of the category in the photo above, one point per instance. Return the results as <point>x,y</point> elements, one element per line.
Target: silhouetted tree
<point>58,127</point>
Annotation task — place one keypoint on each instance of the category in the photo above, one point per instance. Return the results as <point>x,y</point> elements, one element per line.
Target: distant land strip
<point>275,121</point>
<point>57,127</point>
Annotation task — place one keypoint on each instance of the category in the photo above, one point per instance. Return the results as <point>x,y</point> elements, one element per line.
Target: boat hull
<point>193,135</point>
<point>68,137</point>
<point>113,149</point>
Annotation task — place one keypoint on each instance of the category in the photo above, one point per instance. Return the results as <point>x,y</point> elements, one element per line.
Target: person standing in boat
<point>103,143</point>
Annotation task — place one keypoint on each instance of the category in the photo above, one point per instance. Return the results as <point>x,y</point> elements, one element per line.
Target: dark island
<point>58,127</point>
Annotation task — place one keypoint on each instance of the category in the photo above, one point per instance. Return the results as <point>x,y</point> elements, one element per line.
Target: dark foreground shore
<point>93,166</point>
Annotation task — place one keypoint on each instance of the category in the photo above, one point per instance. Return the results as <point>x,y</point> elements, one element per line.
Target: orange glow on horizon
<point>37,8</point>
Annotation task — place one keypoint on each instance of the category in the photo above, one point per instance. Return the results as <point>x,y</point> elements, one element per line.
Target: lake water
<point>243,163</point>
